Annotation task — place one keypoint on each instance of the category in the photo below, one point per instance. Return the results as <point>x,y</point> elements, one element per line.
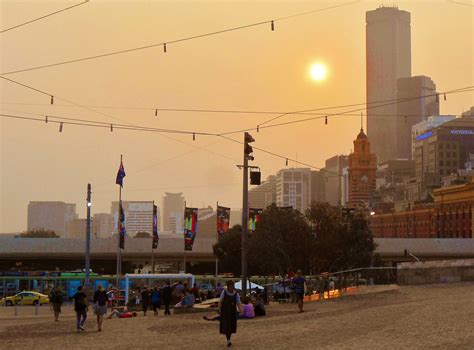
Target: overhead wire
<point>257,128</point>
<point>43,17</point>
<point>166,44</point>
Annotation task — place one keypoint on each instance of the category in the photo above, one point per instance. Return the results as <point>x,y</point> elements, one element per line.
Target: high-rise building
<point>76,229</point>
<point>138,216</point>
<point>264,195</point>
<point>105,224</point>
<point>413,111</point>
<point>362,173</point>
<point>469,113</point>
<point>443,151</point>
<point>333,179</point>
<point>51,216</point>
<point>173,212</point>
<point>293,188</point>
<point>422,127</point>
<point>388,58</point>
<point>318,191</point>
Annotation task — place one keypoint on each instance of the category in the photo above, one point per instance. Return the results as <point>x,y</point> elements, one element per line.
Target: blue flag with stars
<point>120,175</point>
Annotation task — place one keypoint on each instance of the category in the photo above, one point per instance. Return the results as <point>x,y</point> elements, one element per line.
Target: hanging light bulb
<point>156,112</point>
<point>46,119</point>
<point>273,25</point>
<point>326,120</point>
<point>61,127</point>
<point>52,99</point>
<point>286,161</point>
<point>111,127</point>
<point>164,47</point>
<point>194,137</point>
<point>258,128</point>
<point>445,96</point>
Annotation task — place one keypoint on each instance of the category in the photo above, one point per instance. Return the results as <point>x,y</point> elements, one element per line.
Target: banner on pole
<point>155,227</point>
<point>254,218</point>
<point>121,226</point>
<point>190,227</point>
<point>223,219</point>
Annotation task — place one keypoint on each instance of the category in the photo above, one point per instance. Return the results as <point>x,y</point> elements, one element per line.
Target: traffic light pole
<point>245,217</point>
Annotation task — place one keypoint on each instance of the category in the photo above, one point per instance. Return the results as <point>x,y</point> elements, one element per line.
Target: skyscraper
<point>415,110</point>
<point>293,188</point>
<point>173,212</point>
<point>388,58</point>
<point>52,216</point>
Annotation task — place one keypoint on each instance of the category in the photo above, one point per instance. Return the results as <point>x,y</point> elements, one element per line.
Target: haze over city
<point>254,69</point>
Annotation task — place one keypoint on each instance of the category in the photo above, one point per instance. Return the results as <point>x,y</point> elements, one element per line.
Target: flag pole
<point>184,231</point>
<point>119,228</point>
<point>153,237</point>
<point>217,239</point>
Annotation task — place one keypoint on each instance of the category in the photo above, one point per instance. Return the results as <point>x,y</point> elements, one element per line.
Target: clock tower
<point>362,173</point>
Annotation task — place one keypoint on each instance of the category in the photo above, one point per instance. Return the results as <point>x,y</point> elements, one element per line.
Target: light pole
<point>88,237</point>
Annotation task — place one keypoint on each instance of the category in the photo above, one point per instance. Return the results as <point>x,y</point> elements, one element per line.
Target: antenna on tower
<point>361,122</point>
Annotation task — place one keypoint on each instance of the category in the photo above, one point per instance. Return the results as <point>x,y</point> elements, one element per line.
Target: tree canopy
<point>142,234</point>
<point>39,233</point>
<point>322,240</point>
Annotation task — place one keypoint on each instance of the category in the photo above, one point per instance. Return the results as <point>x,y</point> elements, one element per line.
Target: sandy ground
<point>422,317</point>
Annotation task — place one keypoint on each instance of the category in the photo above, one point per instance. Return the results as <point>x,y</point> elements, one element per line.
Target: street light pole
<point>88,237</point>
<point>245,218</point>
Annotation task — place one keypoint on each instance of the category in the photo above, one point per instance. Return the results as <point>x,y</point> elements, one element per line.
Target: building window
<point>441,163</point>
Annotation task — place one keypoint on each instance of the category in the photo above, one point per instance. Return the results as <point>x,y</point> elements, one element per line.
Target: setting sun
<point>318,71</point>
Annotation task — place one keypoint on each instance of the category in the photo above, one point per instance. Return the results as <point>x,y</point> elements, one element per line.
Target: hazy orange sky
<point>251,69</point>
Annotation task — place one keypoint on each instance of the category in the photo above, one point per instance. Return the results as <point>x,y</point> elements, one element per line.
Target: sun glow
<point>318,72</point>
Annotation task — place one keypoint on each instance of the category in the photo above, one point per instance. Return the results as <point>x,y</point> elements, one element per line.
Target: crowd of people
<point>230,307</point>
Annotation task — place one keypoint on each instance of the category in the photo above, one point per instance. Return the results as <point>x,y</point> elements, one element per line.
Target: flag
<point>254,218</point>
<point>155,227</point>
<point>223,219</point>
<point>120,175</point>
<point>190,227</point>
<point>121,226</point>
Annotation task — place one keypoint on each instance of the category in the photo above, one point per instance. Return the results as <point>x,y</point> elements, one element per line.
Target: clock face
<point>364,178</point>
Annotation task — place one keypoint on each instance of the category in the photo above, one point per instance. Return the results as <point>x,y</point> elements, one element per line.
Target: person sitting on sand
<point>246,313</point>
<point>186,301</point>
<point>121,313</point>
<point>259,307</point>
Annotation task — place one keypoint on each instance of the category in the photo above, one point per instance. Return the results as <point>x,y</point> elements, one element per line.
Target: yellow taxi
<point>25,298</point>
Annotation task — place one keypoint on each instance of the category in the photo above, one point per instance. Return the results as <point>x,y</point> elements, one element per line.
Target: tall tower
<point>415,110</point>
<point>388,58</point>
<point>362,173</point>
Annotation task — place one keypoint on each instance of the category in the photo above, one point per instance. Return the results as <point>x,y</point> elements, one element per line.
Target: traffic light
<point>247,148</point>
<point>255,177</point>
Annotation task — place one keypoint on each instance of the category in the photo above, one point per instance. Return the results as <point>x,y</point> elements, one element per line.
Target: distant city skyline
<point>255,69</point>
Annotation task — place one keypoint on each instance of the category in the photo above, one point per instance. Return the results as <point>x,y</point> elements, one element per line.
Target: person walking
<point>155,300</point>
<point>299,286</point>
<point>80,306</point>
<point>145,297</point>
<point>229,301</point>
<point>166,294</point>
<point>100,307</point>
<point>56,299</point>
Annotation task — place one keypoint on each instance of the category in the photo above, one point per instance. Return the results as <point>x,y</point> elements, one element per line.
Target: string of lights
<point>352,105</point>
<point>219,112</point>
<point>43,17</point>
<point>326,117</point>
<point>166,44</point>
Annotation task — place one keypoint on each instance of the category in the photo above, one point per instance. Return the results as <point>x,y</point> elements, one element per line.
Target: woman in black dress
<point>228,303</point>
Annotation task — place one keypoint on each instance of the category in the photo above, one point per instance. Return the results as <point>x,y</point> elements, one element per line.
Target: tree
<point>229,252</point>
<point>342,242</point>
<point>39,233</point>
<point>282,241</point>
<point>142,234</point>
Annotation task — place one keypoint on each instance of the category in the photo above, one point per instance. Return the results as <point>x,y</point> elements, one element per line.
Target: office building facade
<point>52,216</point>
<point>293,188</point>
<point>388,58</point>
<point>173,212</point>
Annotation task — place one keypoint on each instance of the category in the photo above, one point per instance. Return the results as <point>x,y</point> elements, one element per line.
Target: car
<point>25,298</point>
